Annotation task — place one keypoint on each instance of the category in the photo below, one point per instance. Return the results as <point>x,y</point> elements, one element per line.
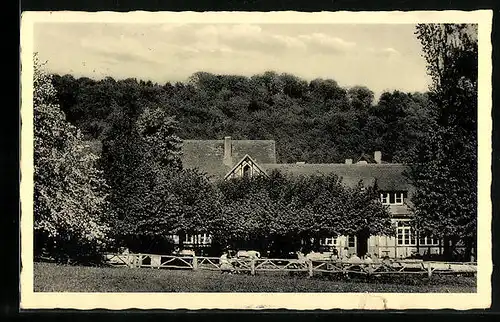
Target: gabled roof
<point>389,176</point>
<point>208,155</point>
<point>245,158</point>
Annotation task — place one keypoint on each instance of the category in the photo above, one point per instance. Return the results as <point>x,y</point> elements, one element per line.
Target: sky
<point>382,57</point>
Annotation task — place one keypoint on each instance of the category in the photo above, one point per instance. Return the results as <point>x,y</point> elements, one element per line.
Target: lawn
<point>59,278</point>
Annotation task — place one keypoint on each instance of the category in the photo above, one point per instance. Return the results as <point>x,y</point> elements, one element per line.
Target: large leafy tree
<point>444,166</point>
<point>153,196</point>
<point>140,152</point>
<point>280,211</point>
<point>70,205</point>
<point>183,202</point>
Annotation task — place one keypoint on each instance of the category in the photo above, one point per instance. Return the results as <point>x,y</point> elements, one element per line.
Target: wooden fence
<point>251,266</point>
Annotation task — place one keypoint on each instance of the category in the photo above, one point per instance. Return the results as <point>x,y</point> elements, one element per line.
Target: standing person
<point>345,254</point>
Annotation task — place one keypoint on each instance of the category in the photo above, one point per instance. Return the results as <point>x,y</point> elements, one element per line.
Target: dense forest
<point>316,121</point>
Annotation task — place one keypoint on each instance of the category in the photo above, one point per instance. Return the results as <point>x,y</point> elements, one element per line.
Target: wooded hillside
<point>316,121</point>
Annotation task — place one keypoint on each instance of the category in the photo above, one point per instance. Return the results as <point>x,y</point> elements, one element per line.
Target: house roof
<point>388,176</point>
<point>208,155</point>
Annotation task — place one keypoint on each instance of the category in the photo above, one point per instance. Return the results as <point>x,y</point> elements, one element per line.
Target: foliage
<point>265,210</point>
<point>316,121</point>
<point>70,206</point>
<point>140,154</point>
<point>444,167</point>
<point>151,193</point>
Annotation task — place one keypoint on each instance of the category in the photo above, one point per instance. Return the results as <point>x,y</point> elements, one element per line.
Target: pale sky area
<point>381,57</point>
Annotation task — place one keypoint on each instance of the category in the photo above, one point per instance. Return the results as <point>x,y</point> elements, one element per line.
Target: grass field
<point>59,278</point>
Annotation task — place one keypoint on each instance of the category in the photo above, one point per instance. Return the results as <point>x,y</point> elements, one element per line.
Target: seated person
<point>368,259</point>
<point>354,259</point>
<point>335,254</point>
<point>225,264</point>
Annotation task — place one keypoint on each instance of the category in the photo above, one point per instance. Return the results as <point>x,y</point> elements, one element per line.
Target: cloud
<point>384,52</point>
<point>242,37</point>
<point>172,52</point>
<point>325,43</point>
<point>253,38</point>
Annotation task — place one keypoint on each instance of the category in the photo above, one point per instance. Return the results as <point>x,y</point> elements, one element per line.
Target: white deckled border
<point>302,301</point>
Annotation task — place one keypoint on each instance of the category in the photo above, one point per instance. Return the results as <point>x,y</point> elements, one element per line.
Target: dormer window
<point>246,171</point>
<point>245,168</point>
<point>392,198</point>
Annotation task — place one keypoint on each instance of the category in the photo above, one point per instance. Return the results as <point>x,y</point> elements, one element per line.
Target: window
<point>392,198</point>
<point>329,241</point>
<point>384,198</point>
<point>351,241</point>
<point>201,239</point>
<point>405,235</point>
<point>205,239</point>
<point>189,239</point>
<point>428,241</point>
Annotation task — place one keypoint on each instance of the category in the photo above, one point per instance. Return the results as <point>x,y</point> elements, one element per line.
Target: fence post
<point>252,267</point>
<point>429,270</point>
<point>195,263</point>
<point>310,264</point>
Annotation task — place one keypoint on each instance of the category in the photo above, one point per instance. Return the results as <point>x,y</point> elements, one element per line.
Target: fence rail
<point>241,265</point>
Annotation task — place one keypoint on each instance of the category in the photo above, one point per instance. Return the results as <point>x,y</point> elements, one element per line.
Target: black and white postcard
<point>237,160</point>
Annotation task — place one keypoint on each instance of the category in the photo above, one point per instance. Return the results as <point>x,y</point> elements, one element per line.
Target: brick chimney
<point>228,157</point>
<point>348,161</point>
<point>378,157</point>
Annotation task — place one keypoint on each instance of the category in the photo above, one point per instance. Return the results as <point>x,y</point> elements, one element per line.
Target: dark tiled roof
<point>388,176</point>
<point>208,155</point>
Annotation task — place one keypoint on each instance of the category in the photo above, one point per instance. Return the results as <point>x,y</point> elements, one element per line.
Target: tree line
<point>315,122</point>
<point>135,192</point>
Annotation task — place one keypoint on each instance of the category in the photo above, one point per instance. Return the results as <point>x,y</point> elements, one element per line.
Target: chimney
<point>348,161</point>
<point>378,157</point>
<point>228,158</point>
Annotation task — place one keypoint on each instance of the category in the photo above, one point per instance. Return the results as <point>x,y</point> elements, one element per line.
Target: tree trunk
<point>446,248</point>
<point>182,239</point>
<point>316,244</point>
<point>474,246</point>
<point>469,249</point>
<point>362,242</point>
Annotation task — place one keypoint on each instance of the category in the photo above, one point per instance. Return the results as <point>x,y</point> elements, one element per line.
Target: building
<point>226,159</point>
